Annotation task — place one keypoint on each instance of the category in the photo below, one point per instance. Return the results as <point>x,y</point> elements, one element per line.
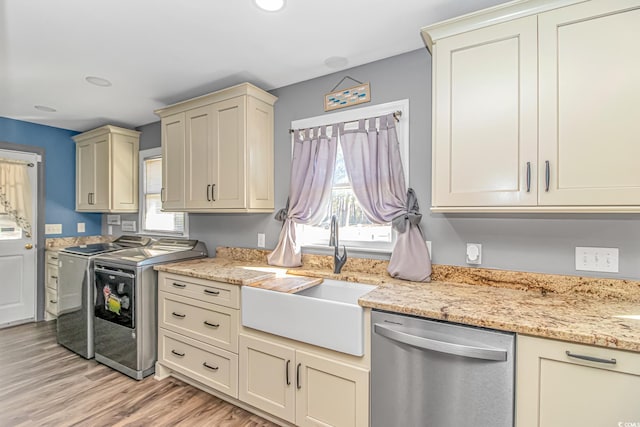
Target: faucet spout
<point>338,260</point>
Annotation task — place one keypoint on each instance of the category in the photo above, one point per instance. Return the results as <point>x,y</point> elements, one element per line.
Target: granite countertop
<point>602,312</point>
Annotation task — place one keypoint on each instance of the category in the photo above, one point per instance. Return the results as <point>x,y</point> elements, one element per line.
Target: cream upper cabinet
<point>566,384</point>
<point>223,144</point>
<point>173,150</point>
<point>589,108</point>
<point>305,388</point>
<point>535,108</point>
<point>485,116</point>
<point>107,170</point>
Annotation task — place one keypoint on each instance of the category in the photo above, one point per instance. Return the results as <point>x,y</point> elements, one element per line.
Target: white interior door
<point>18,257</point>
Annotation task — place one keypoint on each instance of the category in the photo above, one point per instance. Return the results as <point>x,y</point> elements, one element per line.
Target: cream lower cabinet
<point>302,387</point>
<point>557,386</point>
<point>537,113</point>
<point>51,282</point>
<point>107,170</point>
<point>198,323</point>
<point>218,152</point>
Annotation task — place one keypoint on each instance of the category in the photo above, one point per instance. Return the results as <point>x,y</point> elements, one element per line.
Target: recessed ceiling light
<point>45,108</point>
<point>270,5</point>
<point>336,62</point>
<point>98,81</point>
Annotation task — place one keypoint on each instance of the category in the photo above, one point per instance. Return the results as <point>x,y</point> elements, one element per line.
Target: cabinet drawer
<point>203,290</point>
<point>210,323</point>
<point>51,303</point>
<point>52,276</point>
<point>211,366</point>
<point>52,257</point>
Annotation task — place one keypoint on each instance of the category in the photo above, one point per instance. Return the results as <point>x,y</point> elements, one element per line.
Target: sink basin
<point>326,315</point>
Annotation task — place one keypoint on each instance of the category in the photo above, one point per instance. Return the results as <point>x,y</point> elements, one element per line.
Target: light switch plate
<point>128,226</point>
<point>81,227</point>
<point>113,219</point>
<point>597,259</point>
<point>53,229</point>
<point>261,238</point>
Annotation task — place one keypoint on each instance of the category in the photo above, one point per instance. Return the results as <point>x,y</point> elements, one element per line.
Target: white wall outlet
<point>128,226</point>
<point>474,253</point>
<point>110,229</point>
<point>597,259</point>
<point>113,219</point>
<point>261,240</point>
<point>81,227</point>
<point>53,229</point>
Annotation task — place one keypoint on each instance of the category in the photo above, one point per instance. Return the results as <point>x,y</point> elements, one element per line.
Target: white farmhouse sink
<point>326,315</point>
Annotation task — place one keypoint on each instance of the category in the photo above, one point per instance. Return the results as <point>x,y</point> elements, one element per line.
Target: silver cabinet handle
<point>547,175</point>
<point>114,273</point>
<point>298,385</point>
<point>178,315</point>
<point>286,369</point>
<point>528,177</point>
<point>591,358</point>
<point>177,353</point>
<point>210,292</point>
<point>213,368</point>
<point>179,285</point>
<point>208,189</point>
<point>483,353</point>
<point>213,325</point>
<point>213,189</point>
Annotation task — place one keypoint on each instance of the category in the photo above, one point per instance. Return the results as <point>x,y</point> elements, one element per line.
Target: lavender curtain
<point>314,158</point>
<point>372,159</point>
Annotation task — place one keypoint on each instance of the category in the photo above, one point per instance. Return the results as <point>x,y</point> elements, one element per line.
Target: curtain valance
<point>15,192</point>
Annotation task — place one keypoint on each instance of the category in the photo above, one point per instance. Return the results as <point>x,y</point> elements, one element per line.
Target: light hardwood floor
<point>44,384</point>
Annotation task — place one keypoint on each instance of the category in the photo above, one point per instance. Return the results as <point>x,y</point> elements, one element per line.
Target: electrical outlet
<point>261,238</point>
<point>597,259</point>
<point>474,253</point>
<point>81,227</point>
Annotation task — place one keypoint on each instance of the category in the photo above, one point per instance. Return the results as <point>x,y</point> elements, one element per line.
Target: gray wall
<point>526,242</point>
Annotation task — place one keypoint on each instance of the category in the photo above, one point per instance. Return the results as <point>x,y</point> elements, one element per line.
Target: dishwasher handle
<point>483,353</point>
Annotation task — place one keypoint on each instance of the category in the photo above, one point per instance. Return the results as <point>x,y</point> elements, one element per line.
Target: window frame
<point>402,127</point>
<point>153,153</point>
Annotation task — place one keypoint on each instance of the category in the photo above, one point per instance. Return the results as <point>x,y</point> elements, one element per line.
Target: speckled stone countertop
<point>603,312</point>
<point>58,243</point>
<point>220,269</point>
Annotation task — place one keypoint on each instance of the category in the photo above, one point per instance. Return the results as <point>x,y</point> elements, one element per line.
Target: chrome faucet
<point>338,260</point>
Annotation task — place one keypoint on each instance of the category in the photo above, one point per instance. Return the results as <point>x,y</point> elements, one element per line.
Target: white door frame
<point>38,227</point>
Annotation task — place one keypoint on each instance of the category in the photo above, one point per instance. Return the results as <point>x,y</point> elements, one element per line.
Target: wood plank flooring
<point>44,384</point>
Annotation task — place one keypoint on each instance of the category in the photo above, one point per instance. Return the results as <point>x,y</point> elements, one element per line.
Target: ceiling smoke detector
<point>270,5</point>
<point>98,81</point>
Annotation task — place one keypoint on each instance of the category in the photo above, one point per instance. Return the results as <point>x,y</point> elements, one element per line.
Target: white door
<point>18,257</point>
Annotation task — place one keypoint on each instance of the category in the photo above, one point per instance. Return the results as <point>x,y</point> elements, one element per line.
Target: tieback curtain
<point>15,193</point>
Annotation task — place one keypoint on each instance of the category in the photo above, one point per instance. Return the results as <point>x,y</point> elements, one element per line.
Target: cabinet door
<point>330,393</point>
<point>201,157</point>
<point>260,158</point>
<point>485,117</point>
<point>229,160</point>
<point>124,173</point>
<point>589,109</point>
<point>267,380</point>
<point>173,152</point>
<point>555,389</point>
<point>101,175</point>
<point>85,175</point>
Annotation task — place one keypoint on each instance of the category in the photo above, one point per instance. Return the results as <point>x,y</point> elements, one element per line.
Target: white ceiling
<point>158,52</point>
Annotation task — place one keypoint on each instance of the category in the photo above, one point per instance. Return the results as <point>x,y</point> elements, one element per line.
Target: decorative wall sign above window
<point>347,97</point>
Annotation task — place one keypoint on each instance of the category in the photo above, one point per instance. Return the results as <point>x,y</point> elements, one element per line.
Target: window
<point>9,229</point>
<point>152,219</point>
<point>355,230</point>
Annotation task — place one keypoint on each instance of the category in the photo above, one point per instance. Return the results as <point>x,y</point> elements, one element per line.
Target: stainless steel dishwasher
<point>435,374</point>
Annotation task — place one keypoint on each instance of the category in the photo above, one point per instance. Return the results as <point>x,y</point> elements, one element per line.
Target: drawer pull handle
<point>178,315</point>
<point>213,325</point>
<point>591,358</point>
<point>177,353</point>
<point>179,285</point>
<point>53,301</point>
<point>213,368</point>
<point>54,277</point>
<point>210,292</point>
